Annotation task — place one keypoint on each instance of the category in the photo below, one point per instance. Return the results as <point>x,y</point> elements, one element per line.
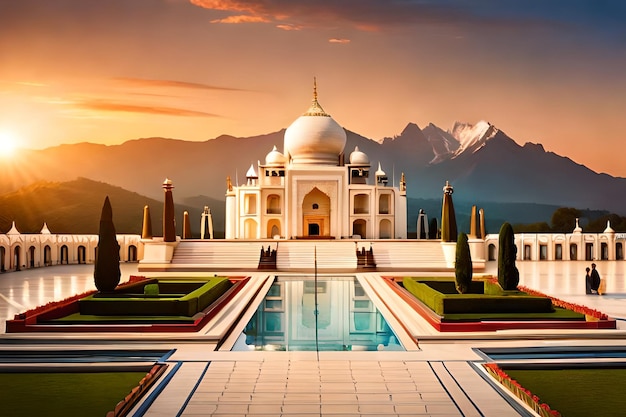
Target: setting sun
<point>8,144</point>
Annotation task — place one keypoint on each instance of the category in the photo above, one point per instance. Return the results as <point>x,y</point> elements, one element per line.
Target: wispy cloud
<point>142,82</point>
<point>241,19</point>
<point>373,15</point>
<point>284,26</point>
<point>103,105</point>
<point>339,40</point>
<point>361,14</point>
<point>30,84</point>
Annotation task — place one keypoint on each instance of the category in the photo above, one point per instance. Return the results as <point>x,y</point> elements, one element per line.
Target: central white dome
<point>315,137</point>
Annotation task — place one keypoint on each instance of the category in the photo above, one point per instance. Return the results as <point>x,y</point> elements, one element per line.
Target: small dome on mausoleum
<point>274,158</point>
<point>359,158</point>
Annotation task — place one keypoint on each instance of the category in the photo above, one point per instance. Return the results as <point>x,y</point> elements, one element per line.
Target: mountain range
<point>485,166</point>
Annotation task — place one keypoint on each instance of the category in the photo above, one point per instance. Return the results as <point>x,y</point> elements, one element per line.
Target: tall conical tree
<point>508,275</point>
<point>106,272</point>
<point>463,265</point>
<point>448,217</point>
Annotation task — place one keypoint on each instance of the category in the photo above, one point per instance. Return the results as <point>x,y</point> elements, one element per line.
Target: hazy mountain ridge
<point>75,207</point>
<point>480,161</point>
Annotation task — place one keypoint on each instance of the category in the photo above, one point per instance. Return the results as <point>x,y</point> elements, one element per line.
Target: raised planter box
<point>130,302</point>
<point>474,324</point>
<point>47,318</point>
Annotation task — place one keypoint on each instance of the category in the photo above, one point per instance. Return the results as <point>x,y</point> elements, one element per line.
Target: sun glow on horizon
<point>8,144</point>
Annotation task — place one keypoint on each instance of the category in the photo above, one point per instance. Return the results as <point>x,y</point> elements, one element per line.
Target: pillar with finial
<point>186,226</point>
<point>206,224</point>
<point>146,228</point>
<point>169,221</point>
<point>481,222</point>
<point>448,217</point>
<point>473,234</point>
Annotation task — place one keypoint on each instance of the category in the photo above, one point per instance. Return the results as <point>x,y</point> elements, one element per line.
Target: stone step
<point>303,254</point>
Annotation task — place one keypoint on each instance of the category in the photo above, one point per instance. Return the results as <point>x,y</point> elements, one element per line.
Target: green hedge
<point>490,303</point>
<point>187,305</point>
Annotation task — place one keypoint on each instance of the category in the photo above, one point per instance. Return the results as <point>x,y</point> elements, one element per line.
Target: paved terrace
<point>438,379</point>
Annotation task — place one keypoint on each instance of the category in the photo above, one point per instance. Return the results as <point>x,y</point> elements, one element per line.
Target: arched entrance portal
<point>359,228</point>
<point>249,229</point>
<point>16,258</point>
<point>2,256</point>
<point>273,228</point>
<point>47,255</point>
<point>132,253</point>
<point>82,252</point>
<point>65,255</point>
<point>31,257</point>
<point>316,214</point>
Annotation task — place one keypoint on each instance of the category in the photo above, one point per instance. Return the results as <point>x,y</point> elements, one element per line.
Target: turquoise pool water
<point>344,318</point>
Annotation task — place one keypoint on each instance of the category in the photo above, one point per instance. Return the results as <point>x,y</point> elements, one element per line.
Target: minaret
<point>206,224</point>
<point>169,221</point>
<point>186,226</point>
<point>473,234</point>
<point>448,217</point>
<point>422,225</point>
<point>481,216</point>
<point>146,229</point>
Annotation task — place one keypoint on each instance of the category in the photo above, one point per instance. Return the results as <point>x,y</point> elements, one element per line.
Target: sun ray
<point>8,144</point>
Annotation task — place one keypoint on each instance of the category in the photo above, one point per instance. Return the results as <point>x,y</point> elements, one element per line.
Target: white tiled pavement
<point>436,380</point>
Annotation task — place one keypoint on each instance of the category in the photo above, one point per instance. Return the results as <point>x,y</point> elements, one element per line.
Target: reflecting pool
<point>327,314</point>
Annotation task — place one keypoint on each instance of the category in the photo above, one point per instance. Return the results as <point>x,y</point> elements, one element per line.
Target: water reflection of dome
<point>315,137</point>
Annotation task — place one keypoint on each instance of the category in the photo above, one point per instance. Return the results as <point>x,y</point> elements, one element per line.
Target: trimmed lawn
<point>557,314</point>
<point>577,392</point>
<point>485,302</point>
<point>62,394</point>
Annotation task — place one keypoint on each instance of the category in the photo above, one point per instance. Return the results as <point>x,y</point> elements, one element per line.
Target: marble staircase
<point>300,255</point>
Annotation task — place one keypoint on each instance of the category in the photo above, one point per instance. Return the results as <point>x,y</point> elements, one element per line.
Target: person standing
<point>588,281</point>
<point>595,279</point>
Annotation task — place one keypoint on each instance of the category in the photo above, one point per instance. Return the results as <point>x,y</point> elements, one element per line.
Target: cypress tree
<point>106,272</point>
<point>508,275</point>
<point>463,265</point>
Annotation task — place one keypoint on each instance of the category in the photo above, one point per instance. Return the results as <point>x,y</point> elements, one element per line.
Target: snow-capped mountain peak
<point>472,137</point>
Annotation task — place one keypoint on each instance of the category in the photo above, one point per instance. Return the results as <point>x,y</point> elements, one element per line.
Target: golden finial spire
<point>315,109</point>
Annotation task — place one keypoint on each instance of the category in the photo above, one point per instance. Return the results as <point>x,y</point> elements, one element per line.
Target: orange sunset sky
<point>552,72</point>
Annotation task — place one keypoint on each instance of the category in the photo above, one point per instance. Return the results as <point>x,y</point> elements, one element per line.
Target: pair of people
<point>592,280</point>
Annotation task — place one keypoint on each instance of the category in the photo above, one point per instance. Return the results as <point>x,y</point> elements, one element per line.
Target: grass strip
<point>577,392</point>
<point>62,394</point>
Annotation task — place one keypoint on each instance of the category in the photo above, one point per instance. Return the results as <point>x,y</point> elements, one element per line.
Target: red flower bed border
<point>123,407</point>
<point>520,392</point>
<point>29,321</point>
<point>601,321</point>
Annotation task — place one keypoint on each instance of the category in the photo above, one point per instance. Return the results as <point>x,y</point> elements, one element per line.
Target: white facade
<point>310,192</point>
<point>575,246</point>
<point>31,250</point>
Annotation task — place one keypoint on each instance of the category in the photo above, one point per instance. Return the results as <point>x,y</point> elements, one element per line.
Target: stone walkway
<point>439,379</point>
<point>350,387</point>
